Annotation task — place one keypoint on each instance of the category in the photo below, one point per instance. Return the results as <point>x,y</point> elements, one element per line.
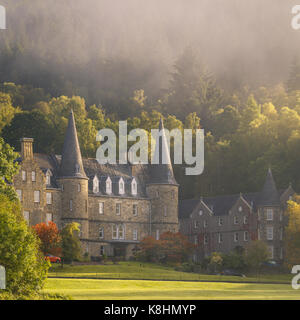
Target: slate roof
<point>269,195</point>
<point>71,163</point>
<point>162,173</point>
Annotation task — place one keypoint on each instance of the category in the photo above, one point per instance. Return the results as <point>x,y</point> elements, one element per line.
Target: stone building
<point>224,223</point>
<point>115,205</point>
<point>119,205</point>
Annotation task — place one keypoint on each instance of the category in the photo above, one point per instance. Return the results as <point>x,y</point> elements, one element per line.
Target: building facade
<point>119,205</point>
<point>225,223</point>
<point>115,205</point>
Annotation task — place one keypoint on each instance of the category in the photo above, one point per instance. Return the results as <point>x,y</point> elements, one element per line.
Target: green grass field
<point>101,282</point>
<point>151,271</point>
<point>93,289</point>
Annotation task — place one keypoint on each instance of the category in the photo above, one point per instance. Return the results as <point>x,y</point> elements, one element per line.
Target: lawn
<point>91,289</point>
<point>150,271</point>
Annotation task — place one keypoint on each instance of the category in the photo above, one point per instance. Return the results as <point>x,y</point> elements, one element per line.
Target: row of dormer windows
<point>108,186</point>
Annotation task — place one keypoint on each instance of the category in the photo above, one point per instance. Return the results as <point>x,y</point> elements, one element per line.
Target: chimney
<point>26,148</point>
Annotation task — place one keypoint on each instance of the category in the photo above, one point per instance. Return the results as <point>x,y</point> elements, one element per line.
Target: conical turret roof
<point>269,195</point>
<point>71,162</point>
<point>162,173</point>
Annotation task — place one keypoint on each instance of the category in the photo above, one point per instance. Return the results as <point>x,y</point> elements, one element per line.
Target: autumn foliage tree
<point>49,236</point>
<point>292,233</point>
<point>171,247</point>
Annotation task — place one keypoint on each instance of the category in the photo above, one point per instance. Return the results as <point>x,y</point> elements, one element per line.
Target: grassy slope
<point>138,289</point>
<point>136,270</point>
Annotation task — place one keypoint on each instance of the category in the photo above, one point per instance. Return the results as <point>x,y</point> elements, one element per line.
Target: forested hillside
<point>59,55</point>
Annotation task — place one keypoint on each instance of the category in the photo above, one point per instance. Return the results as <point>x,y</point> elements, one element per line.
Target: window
<point>49,217</point>
<point>48,179</point>
<point>23,175</point>
<point>200,213</point>
<point>281,233</point>
<point>135,234</point>
<point>79,187</point>
<point>86,205</point>
<point>280,217</point>
<point>121,232</point>
<point>19,193</point>
<point>95,185</point>
<point>205,223</point>
<point>108,185</point>
<point>157,235</point>
<point>240,209</point>
<point>269,233</point>
<point>245,220</point>
<point>102,250</point>
<point>49,198</point>
<point>118,209</point>
<point>269,214</point>
<point>220,221</point>
<point>220,237</point>
<point>118,232</point>
<point>62,187</point>
<point>71,205</point>
<point>281,253</point>
<point>195,239</point>
<point>26,216</point>
<point>101,207</point>
<point>246,236</point>
<point>135,210</point>
<point>205,239</point>
<point>36,196</point>
<point>165,211</point>
<point>134,187</point>
<point>236,237</point>
<point>235,220</point>
<point>114,232</point>
<point>271,252</point>
<point>101,233</point>
<point>258,234</point>
<point>121,186</point>
<point>33,177</point>
<point>195,224</point>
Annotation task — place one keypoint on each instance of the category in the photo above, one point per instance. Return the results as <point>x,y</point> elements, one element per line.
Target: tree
<point>171,247</point>
<point>256,254</point>
<point>71,247</point>
<point>292,234</point>
<point>215,262</point>
<point>49,236</point>
<point>26,269</point>
<point>8,168</point>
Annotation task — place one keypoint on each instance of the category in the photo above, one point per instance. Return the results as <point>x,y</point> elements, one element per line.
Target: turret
<point>162,189</point>
<point>270,221</point>
<point>73,181</point>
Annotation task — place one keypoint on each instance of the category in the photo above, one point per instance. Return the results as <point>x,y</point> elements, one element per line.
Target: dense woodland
<point>250,124</point>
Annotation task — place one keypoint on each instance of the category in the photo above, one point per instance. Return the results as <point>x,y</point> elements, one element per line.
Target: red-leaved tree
<point>171,247</point>
<point>49,236</point>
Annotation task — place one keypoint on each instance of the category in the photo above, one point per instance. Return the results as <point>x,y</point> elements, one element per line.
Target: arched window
<point>95,184</point>
<point>108,185</point>
<point>121,186</point>
<point>134,187</point>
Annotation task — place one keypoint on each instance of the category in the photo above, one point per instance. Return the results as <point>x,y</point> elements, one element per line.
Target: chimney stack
<point>26,148</point>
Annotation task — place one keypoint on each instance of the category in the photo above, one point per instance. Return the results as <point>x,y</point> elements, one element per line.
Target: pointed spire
<point>162,173</point>
<point>269,195</point>
<point>71,162</point>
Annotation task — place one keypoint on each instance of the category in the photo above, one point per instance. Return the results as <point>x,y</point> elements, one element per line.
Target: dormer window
<point>48,177</point>
<point>121,186</point>
<point>108,185</point>
<point>134,187</point>
<point>96,185</point>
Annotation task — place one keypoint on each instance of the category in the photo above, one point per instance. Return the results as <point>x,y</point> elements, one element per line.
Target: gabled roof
<point>71,162</point>
<point>162,173</point>
<point>269,195</point>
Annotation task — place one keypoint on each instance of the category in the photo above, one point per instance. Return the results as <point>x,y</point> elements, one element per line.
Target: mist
<point>241,42</point>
